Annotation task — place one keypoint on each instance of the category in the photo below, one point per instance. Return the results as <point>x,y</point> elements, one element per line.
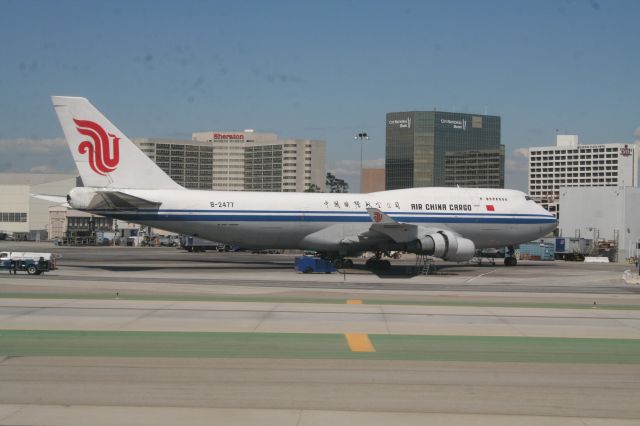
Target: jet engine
<point>445,245</point>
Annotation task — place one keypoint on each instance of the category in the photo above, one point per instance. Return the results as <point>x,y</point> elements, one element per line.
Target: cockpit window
<point>526,197</point>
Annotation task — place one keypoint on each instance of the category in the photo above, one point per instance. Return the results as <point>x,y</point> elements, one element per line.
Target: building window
<point>13,217</point>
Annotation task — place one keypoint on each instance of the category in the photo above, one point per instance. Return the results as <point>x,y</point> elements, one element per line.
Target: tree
<point>313,188</point>
<point>336,185</point>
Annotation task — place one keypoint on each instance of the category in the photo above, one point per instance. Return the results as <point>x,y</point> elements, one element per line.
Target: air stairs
<point>424,264</point>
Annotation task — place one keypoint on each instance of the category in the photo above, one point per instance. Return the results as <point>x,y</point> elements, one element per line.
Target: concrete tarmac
<point>287,390</point>
<point>143,315</point>
<point>158,336</point>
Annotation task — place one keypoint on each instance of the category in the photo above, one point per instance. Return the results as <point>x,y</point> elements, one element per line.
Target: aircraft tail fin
<point>105,157</point>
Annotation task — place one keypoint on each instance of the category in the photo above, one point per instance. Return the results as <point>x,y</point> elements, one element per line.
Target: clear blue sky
<point>322,70</point>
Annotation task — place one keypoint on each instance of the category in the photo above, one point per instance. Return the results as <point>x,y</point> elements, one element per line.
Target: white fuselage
<point>321,221</point>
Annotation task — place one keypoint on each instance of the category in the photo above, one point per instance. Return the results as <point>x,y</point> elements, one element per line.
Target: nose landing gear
<point>509,257</point>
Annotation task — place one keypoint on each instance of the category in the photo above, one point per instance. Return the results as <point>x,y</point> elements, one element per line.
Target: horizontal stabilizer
<point>51,198</point>
<point>116,200</point>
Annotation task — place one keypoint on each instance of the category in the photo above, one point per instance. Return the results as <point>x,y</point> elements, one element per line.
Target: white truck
<point>31,263</point>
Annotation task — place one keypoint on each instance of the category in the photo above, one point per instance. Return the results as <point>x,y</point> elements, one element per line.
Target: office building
<point>240,161</point>
<point>188,163</point>
<point>570,164</point>
<point>372,180</point>
<point>475,168</point>
<point>435,148</point>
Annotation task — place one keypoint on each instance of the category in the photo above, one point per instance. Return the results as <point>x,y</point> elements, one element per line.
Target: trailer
<point>571,249</point>
<point>537,251</point>
<point>31,263</point>
<point>197,244</point>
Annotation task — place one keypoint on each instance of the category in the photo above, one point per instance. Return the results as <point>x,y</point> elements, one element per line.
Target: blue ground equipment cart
<point>311,264</point>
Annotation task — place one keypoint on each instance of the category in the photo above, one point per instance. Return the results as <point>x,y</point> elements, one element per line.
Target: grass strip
<point>15,343</point>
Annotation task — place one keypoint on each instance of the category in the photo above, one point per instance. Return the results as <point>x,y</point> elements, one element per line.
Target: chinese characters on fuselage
<point>359,204</point>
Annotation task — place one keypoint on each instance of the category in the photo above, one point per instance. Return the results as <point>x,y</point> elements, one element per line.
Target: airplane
<point>450,223</point>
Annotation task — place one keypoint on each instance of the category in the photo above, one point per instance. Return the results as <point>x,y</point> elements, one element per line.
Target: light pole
<point>362,136</point>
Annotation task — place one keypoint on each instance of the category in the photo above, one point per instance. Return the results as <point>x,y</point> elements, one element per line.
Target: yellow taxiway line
<point>359,342</point>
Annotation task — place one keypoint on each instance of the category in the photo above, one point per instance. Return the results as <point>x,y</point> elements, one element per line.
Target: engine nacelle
<point>80,198</point>
<point>445,245</point>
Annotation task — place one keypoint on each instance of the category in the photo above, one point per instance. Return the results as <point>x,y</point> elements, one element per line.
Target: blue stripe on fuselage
<point>321,212</point>
<point>353,218</point>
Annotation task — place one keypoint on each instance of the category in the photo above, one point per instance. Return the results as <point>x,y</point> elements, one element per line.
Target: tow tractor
<point>31,263</point>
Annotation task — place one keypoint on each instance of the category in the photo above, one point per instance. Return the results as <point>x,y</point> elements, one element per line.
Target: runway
<point>234,317</point>
<point>156,336</point>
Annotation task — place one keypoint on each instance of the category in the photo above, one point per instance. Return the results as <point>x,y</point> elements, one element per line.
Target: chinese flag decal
<point>490,208</point>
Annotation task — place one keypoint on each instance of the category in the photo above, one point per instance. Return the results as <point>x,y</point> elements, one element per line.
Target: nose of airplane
<point>551,225</point>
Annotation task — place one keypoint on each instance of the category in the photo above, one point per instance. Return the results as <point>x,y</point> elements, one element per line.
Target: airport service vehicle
<point>449,223</point>
<point>31,263</point>
<point>317,264</point>
<point>196,244</point>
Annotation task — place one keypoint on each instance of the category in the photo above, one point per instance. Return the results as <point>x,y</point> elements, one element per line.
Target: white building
<point>240,161</point>
<point>19,212</point>
<point>569,164</point>
<point>602,213</point>
<point>189,163</point>
<point>265,162</point>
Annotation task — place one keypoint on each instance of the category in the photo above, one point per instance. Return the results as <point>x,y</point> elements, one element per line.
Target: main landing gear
<point>510,258</point>
<point>338,262</point>
<point>343,263</point>
<point>377,263</point>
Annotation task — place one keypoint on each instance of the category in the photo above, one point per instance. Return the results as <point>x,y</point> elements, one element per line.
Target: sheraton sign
<point>228,136</point>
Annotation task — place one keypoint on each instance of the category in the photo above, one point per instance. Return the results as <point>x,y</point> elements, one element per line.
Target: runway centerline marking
<point>359,342</point>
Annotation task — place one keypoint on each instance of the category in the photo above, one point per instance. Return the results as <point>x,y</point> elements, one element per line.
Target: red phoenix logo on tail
<point>103,156</point>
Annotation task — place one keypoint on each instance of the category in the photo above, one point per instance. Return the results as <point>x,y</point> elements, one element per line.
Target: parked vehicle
<point>573,249</point>
<point>311,264</point>
<point>197,244</point>
<point>31,263</point>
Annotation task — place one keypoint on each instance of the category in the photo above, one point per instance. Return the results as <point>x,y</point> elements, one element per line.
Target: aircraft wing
<point>399,232</point>
<point>116,200</point>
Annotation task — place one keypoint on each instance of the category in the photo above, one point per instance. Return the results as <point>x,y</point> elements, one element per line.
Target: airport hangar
<point>602,213</point>
<point>25,216</point>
